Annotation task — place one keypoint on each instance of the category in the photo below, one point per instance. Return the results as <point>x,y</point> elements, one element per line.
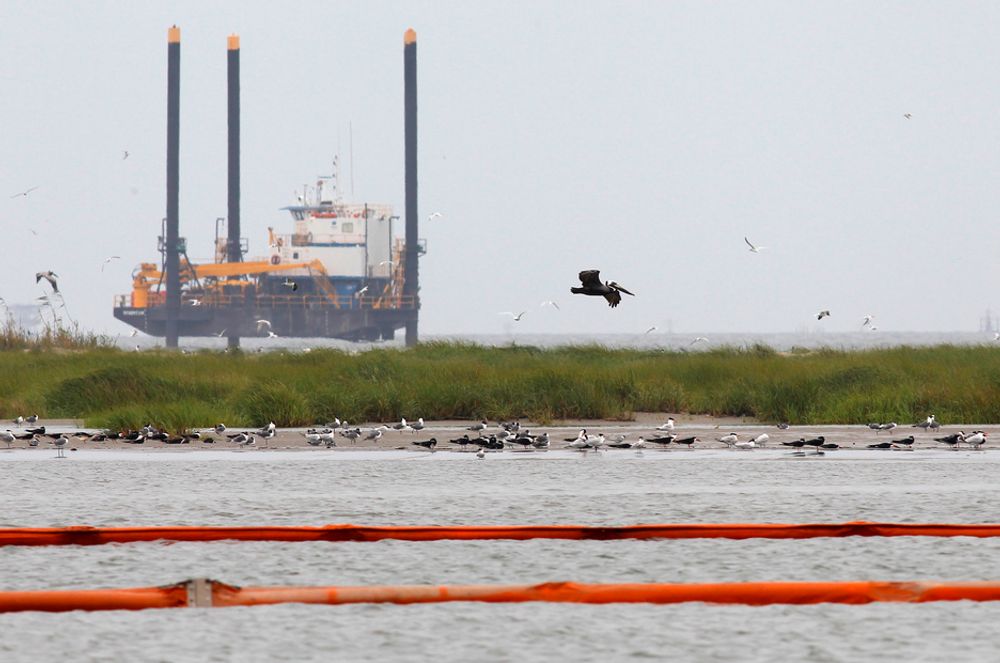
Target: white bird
<point>7,437</point>
<point>385,262</point>
<point>263,325</point>
<point>744,444</point>
<point>700,339</point>
<point>730,439</point>
<point>219,429</point>
<point>49,276</point>
<point>109,259</point>
<point>669,426</point>
<point>417,425</point>
<point>221,334</point>
<point>434,215</point>
<point>977,439</point>
<point>290,284</point>
<point>640,443</point>
<point>517,318</point>
<point>549,302</point>
<point>868,320</point>
<point>19,420</point>
<point>823,314</point>
<point>361,292</point>
<point>194,302</point>
<point>996,336</point>
<point>60,443</point>
<point>753,249</point>
<point>134,333</point>
<point>761,439</point>
<point>24,193</point>
<point>271,334</point>
<point>481,453</point>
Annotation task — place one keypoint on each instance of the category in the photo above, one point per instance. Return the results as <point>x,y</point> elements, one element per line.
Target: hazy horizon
<point>645,140</point>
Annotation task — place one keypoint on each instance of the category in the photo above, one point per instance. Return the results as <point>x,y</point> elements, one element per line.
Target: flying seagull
<point>124,155</point>
<point>823,314</point>
<point>700,339</point>
<point>49,276</point>
<point>263,325</point>
<point>868,320</point>
<point>591,281</point>
<point>907,115</point>
<point>549,302</point>
<point>109,259</point>
<point>288,283</point>
<point>435,215</point>
<point>517,318</point>
<point>24,193</point>
<point>650,330</point>
<point>361,292</point>
<point>753,249</point>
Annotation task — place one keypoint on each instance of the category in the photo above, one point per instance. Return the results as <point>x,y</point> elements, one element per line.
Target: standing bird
<point>669,426</point>
<point>823,314</point>
<point>927,423</point>
<point>753,249</point>
<point>591,281</point>
<point>49,276</point>
<point>729,440</point>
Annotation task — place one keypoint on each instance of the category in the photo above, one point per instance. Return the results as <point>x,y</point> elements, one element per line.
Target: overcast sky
<point>641,139</point>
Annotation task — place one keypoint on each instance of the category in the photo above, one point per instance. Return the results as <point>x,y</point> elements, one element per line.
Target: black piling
<point>234,251</point>
<point>411,287</point>
<point>173,277</point>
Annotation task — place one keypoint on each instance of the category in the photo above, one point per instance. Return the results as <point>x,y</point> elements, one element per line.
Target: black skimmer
<point>665,440</point>
<point>829,445</point>
<point>952,440</point>
<point>591,282</point>
<point>798,444</point>
<point>686,441</point>
<point>816,442</point>
<point>880,445</point>
<point>462,441</point>
<point>427,444</point>
<point>906,442</point>
<point>977,439</point>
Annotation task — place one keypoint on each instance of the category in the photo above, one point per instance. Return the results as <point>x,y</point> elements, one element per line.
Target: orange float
<point>89,536</point>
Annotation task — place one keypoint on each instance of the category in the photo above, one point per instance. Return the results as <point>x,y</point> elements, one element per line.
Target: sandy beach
<point>706,429</point>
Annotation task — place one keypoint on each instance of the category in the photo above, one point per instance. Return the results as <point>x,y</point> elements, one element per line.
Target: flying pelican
<point>107,260</point>
<point>49,276</point>
<point>591,281</point>
<point>753,249</point>
<point>517,318</point>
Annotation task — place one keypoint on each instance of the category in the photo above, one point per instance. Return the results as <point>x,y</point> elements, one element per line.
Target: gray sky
<point>642,139</point>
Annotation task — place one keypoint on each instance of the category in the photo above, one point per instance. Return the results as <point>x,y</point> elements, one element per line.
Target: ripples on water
<point>420,489</point>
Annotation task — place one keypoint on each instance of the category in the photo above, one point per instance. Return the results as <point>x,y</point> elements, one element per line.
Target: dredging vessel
<point>340,273</point>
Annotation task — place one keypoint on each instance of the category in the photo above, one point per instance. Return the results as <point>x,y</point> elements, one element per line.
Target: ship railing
<point>343,302</point>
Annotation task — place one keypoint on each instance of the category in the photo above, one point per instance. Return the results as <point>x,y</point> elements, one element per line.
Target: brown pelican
<point>591,280</point>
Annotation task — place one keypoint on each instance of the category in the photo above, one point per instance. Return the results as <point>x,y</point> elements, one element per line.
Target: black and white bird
<point>952,440</point>
<point>669,426</point>
<point>60,444</point>
<point>263,325</point>
<point>686,441</point>
<point>590,279</point>
<point>730,439</point>
<point>402,426</point>
<point>49,276</point>
<point>925,424</point>
<point>24,193</point>
<point>290,284</point>
<point>359,293</point>
<point>905,442</point>
<point>107,260</point>
<point>823,314</point>
<point>219,429</point>
<point>481,426</point>
<point>417,425</point>
<point>7,437</point>
<point>427,444</point>
<point>761,440</point>
<point>977,439</point>
<point>868,320</point>
<point>753,249</point>
<point>516,317</point>
<point>891,426</point>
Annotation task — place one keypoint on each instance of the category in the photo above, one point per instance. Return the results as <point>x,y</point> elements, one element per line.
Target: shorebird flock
<point>482,437</point>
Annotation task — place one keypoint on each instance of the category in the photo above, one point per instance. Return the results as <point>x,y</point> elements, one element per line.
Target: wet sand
<point>706,429</point>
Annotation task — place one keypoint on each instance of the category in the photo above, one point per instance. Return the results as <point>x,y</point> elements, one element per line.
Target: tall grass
<point>107,387</point>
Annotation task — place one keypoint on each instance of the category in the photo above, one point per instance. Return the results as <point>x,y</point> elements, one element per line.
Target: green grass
<point>108,387</point>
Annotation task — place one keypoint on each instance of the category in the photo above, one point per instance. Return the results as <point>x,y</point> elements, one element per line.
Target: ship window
<point>295,256</point>
<point>346,227</point>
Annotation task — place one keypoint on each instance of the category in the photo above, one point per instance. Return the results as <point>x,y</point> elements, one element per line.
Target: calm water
<point>612,488</point>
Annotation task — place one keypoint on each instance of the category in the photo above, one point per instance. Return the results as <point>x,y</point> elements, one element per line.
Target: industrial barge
<point>341,272</point>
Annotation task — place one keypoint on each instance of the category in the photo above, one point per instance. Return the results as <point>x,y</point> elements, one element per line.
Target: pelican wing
<point>590,277</point>
<point>613,297</point>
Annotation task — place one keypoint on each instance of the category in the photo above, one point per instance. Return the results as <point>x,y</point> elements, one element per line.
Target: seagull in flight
<point>361,292</point>
<point>221,333</point>
<point>263,325</point>
<point>109,259</point>
<point>868,320</point>
<point>24,193</point>
<point>124,155</point>
<point>49,276</point>
<point>753,249</point>
<point>549,302</point>
<point>700,339</point>
<point>650,330</point>
<point>517,318</point>
<point>435,215</point>
<point>907,115</point>
<point>823,314</point>
<point>194,302</point>
<point>288,283</point>
<point>591,281</point>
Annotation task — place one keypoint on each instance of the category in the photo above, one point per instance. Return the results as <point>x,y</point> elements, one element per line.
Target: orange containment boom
<point>92,536</point>
<point>211,593</point>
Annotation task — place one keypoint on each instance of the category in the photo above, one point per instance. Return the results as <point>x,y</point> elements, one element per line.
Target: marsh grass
<point>108,387</point>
